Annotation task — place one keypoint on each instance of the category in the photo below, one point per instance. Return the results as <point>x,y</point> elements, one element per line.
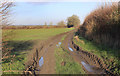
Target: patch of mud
<point>42,56</point>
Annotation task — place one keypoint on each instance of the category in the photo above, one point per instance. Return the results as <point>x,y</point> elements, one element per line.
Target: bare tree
<point>5,9</point>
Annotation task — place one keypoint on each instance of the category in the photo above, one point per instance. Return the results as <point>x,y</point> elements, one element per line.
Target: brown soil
<point>85,56</point>
<point>46,49</point>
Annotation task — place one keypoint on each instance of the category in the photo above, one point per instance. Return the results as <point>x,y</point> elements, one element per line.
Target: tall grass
<point>103,25</point>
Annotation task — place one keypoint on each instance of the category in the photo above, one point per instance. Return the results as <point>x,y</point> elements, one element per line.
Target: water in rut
<point>59,43</point>
<point>92,69</point>
<point>41,61</point>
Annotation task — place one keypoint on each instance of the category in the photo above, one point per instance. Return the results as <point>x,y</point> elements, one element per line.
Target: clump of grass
<point>71,67</point>
<point>17,64</point>
<point>103,26</point>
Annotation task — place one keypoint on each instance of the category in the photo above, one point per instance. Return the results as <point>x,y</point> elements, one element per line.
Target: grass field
<point>70,67</point>
<point>109,56</point>
<point>32,34</point>
<point>21,41</point>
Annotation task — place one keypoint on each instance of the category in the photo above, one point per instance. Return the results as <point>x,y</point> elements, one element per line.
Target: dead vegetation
<point>103,25</point>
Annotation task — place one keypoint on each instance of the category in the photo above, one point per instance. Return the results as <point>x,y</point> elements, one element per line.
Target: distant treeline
<point>32,27</point>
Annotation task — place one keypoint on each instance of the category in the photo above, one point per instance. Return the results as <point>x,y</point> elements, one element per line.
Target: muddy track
<point>43,49</point>
<point>79,55</point>
<point>46,49</point>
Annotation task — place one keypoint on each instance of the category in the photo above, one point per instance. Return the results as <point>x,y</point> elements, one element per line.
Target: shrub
<point>103,25</point>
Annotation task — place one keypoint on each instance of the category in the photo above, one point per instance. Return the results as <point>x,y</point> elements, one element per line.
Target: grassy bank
<point>65,63</point>
<point>108,55</point>
<point>19,42</point>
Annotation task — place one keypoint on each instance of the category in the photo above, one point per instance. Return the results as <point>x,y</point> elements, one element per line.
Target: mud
<point>88,60</point>
<point>91,63</point>
<point>44,49</point>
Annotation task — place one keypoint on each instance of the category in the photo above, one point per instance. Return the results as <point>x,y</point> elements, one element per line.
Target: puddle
<point>87,67</point>
<point>41,61</point>
<point>70,49</point>
<point>59,43</point>
<point>93,69</point>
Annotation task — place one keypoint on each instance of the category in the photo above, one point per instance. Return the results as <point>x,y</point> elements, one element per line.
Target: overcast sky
<point>37,13</point>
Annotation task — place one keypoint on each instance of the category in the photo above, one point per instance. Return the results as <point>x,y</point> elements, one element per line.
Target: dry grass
<point>103,25</point>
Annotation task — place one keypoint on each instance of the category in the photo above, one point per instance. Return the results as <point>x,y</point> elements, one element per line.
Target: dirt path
<point>44,49</point>
<point>48,54</point>
<point>90,62</point>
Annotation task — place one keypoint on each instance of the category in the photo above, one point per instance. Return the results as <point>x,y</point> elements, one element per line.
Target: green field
<point>32,34</point>
<point>21,41</point>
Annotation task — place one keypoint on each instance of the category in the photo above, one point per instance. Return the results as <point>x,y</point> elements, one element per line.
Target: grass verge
<point>109,56</point>
<point>65,64</point>
<point>14,64</point>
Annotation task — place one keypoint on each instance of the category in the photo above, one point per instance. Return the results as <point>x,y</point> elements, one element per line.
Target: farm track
<point>89,58</point>
<point>47,48</point>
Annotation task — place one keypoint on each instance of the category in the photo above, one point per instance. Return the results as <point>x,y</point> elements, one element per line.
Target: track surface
<point>46,49</point>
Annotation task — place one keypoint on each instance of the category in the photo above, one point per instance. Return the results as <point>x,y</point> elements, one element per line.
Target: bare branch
<point>5,11</point>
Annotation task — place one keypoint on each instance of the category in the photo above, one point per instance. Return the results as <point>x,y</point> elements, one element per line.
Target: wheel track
<point>88,57</point>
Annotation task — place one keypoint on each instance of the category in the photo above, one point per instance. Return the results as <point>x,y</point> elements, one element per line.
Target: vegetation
<point>20,43</point>
<point>32,27</point>
<point>61,23</point>
<point>73,21</point>
<point>69,66</point>
<point>109,56</point>
<point>103,26</point>
<point>101,35</point>
<point>30,34</point>
<point>5,10</point>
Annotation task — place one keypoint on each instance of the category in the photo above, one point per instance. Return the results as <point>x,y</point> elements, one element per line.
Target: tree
<point>61,23</point>
<point>73,21</point>
<point>5,9</point>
